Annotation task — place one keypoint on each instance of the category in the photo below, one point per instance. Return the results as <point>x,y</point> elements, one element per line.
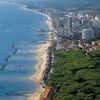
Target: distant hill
<point>63,4</point>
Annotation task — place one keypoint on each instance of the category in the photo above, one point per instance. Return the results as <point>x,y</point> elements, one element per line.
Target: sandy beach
<point>42,58</point>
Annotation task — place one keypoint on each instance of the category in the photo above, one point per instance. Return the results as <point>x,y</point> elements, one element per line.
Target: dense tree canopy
<point>76,76</point>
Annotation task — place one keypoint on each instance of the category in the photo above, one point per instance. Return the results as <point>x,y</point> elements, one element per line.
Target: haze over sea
<point>19,37</point>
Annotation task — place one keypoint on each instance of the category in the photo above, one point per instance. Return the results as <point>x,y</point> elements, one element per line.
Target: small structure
<point>96,43</point>
<point>48,93</point>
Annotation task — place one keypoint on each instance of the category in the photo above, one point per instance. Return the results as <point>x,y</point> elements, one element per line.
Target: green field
<point>76,76</point>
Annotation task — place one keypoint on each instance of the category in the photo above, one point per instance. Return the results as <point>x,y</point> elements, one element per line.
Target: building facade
<point>88,34</point>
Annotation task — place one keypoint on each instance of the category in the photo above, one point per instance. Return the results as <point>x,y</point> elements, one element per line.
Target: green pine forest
<point>75,75</point>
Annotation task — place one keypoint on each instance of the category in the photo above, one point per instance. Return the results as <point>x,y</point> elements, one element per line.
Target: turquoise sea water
<point>19,36</point>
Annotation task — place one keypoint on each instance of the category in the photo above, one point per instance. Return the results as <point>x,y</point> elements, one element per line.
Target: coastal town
<point>72,29</point>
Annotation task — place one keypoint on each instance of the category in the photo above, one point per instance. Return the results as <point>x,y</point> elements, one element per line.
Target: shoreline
<point>42,57</point>
<point>42,62</point>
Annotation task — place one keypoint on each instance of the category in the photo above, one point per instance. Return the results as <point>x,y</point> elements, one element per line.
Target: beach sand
<point>42,57</point>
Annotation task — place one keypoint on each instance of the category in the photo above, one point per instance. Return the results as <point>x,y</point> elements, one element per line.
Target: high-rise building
<point>69,23</point>
<point>88,34</point>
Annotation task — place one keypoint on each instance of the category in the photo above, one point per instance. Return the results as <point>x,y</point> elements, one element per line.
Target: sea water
<point>19,37</point>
